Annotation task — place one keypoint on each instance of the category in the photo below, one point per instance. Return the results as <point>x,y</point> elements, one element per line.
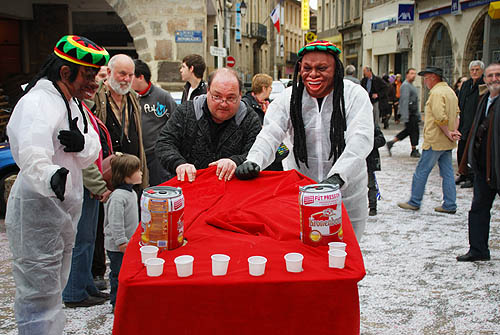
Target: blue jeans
<point>424,168</point>
<point>80,282</point>
<point>115,263</point>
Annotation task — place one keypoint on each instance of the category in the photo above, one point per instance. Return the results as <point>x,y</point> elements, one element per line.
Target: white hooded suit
<point>41,228</point>
<point>351,165</point>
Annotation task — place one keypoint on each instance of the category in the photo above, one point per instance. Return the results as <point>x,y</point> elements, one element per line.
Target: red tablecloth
<point>242,219</point>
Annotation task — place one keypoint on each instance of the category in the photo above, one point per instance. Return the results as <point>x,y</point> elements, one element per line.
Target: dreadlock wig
<point>338,119</point>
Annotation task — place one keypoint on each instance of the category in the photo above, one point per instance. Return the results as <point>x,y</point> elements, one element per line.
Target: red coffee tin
<point>320,214</point>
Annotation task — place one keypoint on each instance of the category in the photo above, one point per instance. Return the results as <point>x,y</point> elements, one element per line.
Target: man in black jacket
<point>468,100</point>
<point>216,129</point>
<point>377,90</point>
<point>483,150</point>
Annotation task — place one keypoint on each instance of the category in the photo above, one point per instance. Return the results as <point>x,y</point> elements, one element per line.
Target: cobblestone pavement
<point>413,283</point>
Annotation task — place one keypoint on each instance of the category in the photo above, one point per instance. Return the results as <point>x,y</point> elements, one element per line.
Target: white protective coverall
<point>41,229</point>
<point>351,165</point>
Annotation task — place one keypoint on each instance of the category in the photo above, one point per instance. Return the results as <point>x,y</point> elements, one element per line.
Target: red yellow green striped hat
<point>81,50</point>
<point>319,46</point>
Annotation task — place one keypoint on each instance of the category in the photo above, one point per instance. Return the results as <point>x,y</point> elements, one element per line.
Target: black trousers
<point>372,191</point>
<point>99,261</point>
<point>460,154</point>
<point>411,129</point>
<point>479,215</point>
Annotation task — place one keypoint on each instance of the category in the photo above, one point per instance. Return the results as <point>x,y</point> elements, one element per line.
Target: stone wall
<point>152,25</point>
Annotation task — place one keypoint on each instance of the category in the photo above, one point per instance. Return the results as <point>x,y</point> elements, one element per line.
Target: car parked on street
<point>8,167</point>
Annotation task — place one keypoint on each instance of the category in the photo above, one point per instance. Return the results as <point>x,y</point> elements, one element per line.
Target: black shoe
<point>372,212</point>
<point>90,301</point>
<point>389,145</point>
<point>103,295</point>
<point>467,184</point>
<point>460,179</point>
<point>415,153</point>
<point>100,283</point>
<point>469,257</point>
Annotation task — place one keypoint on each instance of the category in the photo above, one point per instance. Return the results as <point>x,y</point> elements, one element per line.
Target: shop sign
<point>464,5</point>
<point>381,25</point>
<point>455,7</point>
<point>474,3</point>
<point>406,13</point>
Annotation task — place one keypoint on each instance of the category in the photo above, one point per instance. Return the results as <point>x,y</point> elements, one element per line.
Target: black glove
<point>333,179</point>
<point>72,139</point>
<point>58,182</point>
<point>247,170</point>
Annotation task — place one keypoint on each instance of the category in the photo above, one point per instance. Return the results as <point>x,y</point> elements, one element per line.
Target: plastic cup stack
<point>147,252</point>
<point>257,265</point>
<point>154,266</point>
<point>220,263</point>
<point>184,265</point>
<point>293,262</point>
<point>336,258</point>
<point>337,245</point>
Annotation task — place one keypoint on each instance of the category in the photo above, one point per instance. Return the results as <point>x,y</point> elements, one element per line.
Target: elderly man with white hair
<point>468,100</point>
<point>118,107</point>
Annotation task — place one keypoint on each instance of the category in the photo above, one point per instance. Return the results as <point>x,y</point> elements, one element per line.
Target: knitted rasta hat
<point>319,46</point>
<point>82,51</point>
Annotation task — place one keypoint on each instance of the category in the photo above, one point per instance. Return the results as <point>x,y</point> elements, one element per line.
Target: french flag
<point>275,16</point>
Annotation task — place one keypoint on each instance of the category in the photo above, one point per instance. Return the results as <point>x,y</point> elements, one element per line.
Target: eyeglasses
<point>230,100</point>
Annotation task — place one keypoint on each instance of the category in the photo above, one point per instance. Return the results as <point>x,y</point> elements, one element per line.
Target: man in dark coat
<point>377,90</point>
<point>468,100</point>
<point>483,150</point>
<point>216,129</point>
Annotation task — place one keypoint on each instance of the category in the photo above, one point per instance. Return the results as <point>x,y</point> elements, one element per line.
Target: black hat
<point>432,69</point>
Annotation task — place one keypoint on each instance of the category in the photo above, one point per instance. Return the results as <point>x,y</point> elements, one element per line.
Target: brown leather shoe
<point>405,205</point>
<point>440,209</point>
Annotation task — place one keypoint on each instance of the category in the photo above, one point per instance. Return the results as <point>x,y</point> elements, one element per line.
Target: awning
<point>494,10</point>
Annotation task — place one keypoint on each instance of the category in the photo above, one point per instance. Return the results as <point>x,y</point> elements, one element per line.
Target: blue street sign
<point>237,34</point>
<point>188,36</point>
<point>406,13</point>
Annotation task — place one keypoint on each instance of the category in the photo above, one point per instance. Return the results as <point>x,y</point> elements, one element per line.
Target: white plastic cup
<point>257,265</point>
<point>154,266</point>
<point>293,262</point>
<point>184,265</point>
<point>337,245</point>
<point>336,258</point>
<point>147,252</point>
<point>220,263</point>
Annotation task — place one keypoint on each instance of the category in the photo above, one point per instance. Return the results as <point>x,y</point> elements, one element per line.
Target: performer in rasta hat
<point>51,142</point>
<point>329,126</point>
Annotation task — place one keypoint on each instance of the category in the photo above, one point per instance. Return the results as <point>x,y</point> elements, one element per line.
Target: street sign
<point>311,37</point>
<point>218,52</point>
<point>188,36</point>
<point>230,61</point>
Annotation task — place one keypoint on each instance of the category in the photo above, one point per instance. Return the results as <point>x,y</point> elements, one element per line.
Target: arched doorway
<point>474,46</point>
<point>439,52</point>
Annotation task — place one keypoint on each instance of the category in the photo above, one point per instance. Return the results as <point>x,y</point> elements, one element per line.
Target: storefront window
<point>383,65</point>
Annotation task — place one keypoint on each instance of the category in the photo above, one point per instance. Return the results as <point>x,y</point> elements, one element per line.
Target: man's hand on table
<point>225,168</point>
<point>184,169</point>
<point>247,170</point>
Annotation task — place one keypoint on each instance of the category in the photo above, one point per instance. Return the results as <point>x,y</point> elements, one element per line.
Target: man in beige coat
<point>440,138</point>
